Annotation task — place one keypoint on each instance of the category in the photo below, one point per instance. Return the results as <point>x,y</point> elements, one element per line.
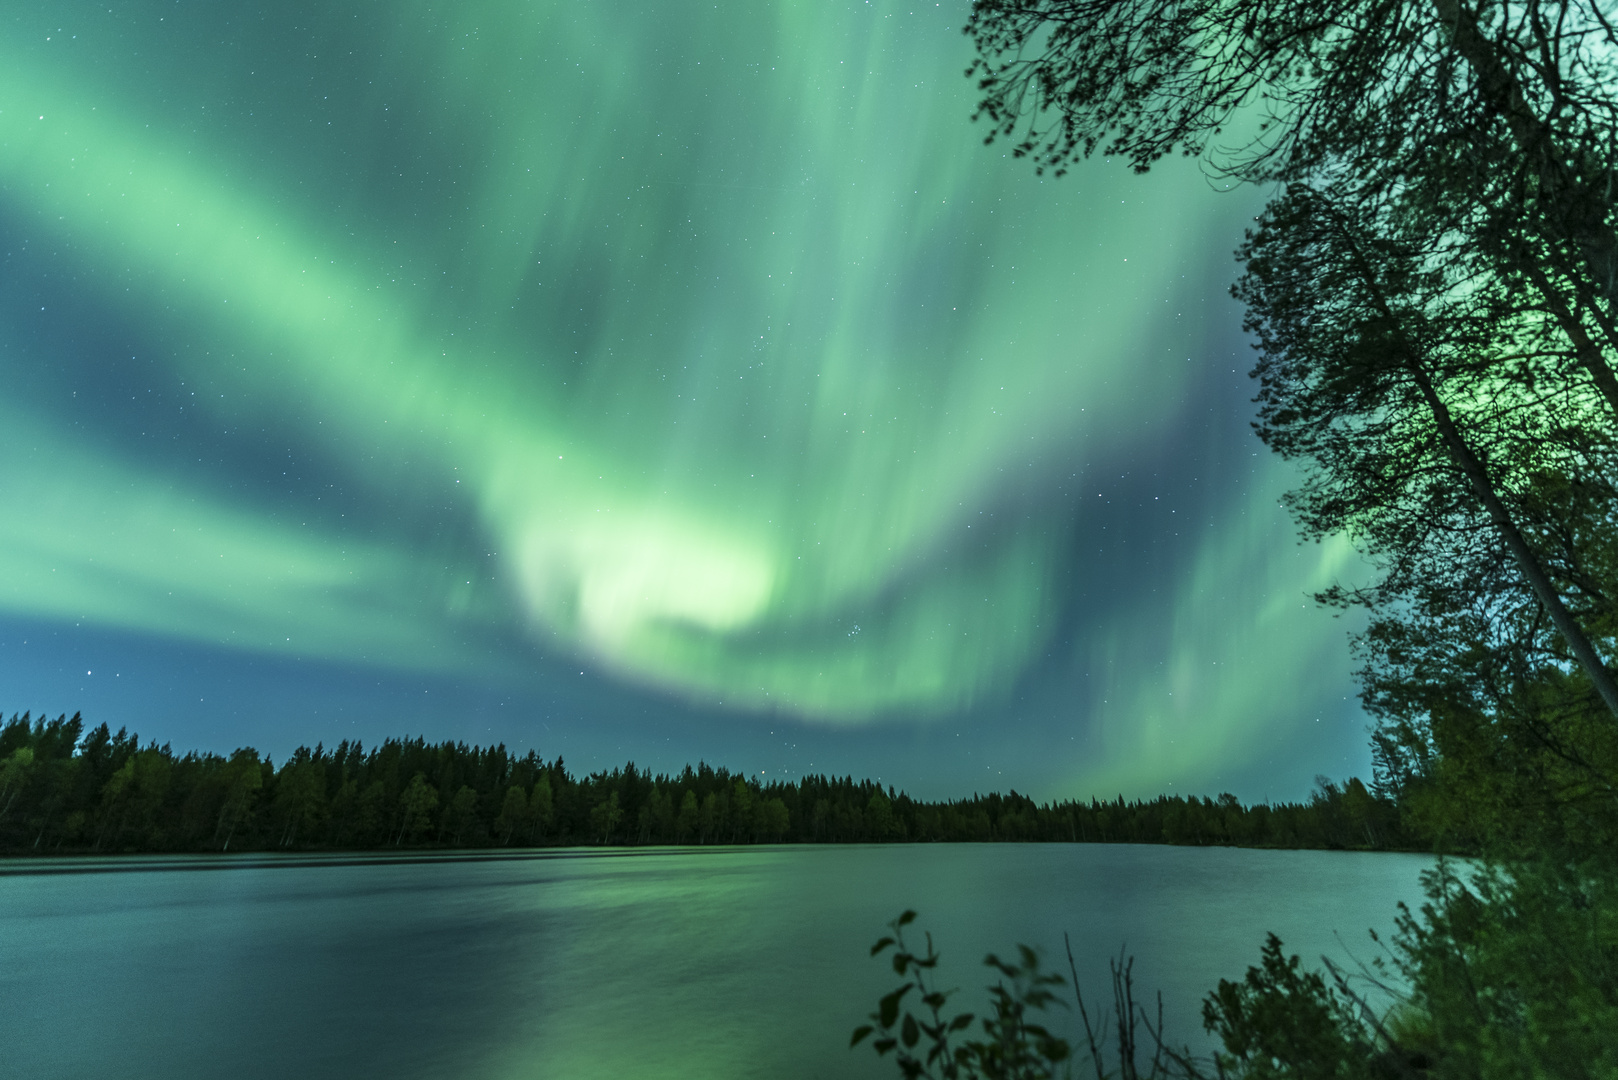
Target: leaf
<point>908,1032</point>
<point>860,1033</point>
<point>880,945</point>
<point>889,1008</point>
<point>961,1021</point>
<point>1009,970</point>
<point>907,918</point>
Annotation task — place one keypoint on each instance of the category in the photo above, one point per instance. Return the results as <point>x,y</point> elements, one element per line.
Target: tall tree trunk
<point>1527,561</point>
<point>1585,348</point>
<point>1483,487</point>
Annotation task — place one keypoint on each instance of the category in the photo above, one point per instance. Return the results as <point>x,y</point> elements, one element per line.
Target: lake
<point>711,963</point>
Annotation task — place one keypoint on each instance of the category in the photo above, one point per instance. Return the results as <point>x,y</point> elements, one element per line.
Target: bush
<point>1511,972</point>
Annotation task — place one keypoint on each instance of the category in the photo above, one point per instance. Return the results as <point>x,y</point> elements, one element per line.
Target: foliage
<point>1285,1023</point>
<point>1515,973</point>
<point>1484,491</point>
<point>60,792</point>
<point>1015,1043</point>
<point>1510,973</point>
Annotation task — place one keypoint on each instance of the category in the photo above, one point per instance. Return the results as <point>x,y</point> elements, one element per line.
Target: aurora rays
<point>703,345</point>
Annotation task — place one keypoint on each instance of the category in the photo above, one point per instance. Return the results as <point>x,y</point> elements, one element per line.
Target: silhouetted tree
<point>416,805</point>
<point>513,815</point>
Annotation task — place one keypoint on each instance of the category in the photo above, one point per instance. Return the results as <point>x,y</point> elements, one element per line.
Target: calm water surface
<point>704,963</point>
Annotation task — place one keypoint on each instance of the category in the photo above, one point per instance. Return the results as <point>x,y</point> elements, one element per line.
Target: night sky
<point>646,379</point>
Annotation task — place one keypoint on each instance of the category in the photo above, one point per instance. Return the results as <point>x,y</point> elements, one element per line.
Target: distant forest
<point>65,791</point>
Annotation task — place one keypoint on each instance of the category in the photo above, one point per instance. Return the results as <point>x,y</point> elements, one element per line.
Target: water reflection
<point>672,963</point>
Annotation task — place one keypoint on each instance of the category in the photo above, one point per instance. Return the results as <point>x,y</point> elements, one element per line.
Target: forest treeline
<point>63,789</point>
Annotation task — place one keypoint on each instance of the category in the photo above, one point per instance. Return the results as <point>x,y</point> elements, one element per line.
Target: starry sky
<point>649,379</point>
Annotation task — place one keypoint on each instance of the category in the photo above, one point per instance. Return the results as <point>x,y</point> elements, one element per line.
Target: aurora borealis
<point>651,380</point>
